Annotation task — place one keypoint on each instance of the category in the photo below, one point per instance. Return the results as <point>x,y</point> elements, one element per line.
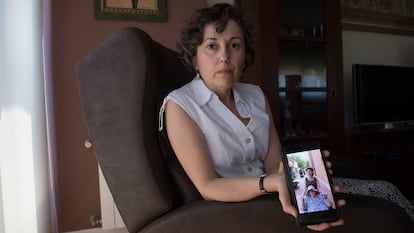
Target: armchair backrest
<point>121,84</point>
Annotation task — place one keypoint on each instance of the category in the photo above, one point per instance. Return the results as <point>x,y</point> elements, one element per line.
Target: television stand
<point>386,127</point>
<point>384,155</point>
<point>398,126</point>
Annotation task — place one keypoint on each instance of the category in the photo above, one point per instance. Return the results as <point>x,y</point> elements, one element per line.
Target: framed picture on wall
<point>391,16</point>
<point>145,10</point>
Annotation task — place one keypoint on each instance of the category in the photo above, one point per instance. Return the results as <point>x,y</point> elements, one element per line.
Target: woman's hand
<point>282,189</point>
<point>284,197</point>
<point>340,203</point>
<point>326,225</point>
<point>328,164</point>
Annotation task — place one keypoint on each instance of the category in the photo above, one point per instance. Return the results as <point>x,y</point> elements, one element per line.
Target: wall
<point>74,32</point>
<point>372,48</point>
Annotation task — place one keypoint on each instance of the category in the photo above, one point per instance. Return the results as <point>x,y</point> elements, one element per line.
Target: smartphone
<point>309,183</point>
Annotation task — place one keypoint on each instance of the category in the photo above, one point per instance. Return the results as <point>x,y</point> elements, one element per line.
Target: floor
<point>99,230</point>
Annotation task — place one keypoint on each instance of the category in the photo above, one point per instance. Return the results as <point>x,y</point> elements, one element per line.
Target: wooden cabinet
<point>299,67</point>
<point>385,155</point>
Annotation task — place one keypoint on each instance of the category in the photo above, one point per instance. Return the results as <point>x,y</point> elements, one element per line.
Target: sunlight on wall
<point>24,193</point>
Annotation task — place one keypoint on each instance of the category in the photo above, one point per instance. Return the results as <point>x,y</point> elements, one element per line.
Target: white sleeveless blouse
<point>236,149</point>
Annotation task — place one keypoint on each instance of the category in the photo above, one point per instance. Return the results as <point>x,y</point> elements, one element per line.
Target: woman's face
<point>312,193</point>
<point>220,58</point>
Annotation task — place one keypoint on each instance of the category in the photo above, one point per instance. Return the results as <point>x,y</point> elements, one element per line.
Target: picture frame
<point>144,10</point>
<point>386,16</point>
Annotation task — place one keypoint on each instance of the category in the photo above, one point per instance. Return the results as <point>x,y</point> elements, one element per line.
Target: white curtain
<point>24,196</point>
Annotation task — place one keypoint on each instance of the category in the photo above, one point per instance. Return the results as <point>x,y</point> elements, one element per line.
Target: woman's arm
<point>272,159</point>
<point>191,149</point>
<point>304,206</point>
<point>328,202</point>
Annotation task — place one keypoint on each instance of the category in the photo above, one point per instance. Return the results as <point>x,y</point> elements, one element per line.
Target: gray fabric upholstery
<point>121,84</point>
<point>116,85</point>
<point>265,215</point>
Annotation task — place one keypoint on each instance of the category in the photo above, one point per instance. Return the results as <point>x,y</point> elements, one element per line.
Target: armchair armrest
<point>265,215</point>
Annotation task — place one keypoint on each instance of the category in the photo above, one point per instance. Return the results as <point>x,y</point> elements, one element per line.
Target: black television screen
<point>383,94</point>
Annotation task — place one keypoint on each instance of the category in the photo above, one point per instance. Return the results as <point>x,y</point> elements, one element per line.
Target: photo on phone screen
<point>309,184</point>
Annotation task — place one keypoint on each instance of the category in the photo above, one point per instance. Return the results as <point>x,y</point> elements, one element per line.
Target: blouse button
<point>250,169</point>
<point>248,140</point>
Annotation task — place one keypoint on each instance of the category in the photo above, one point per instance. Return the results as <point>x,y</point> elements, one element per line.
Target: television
<point>383,96</point>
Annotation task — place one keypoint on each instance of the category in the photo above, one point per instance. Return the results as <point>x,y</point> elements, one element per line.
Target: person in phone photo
<point>314,201</point>
<point>310,179</point>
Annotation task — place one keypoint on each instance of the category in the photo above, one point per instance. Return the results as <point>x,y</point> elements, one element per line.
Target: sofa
<point>122,83</point>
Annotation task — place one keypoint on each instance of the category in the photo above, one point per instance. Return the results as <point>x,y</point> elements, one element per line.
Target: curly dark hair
<point>219,15</point>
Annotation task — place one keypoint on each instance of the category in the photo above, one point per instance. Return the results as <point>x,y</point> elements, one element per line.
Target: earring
<point>197,75</point>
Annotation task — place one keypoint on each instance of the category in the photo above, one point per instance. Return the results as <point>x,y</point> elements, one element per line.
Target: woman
<point>310,179</point>
<point>222,130</point>
<point>314,201</point>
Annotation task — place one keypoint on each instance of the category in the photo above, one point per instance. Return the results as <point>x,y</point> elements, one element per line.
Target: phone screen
<point>309,184</point>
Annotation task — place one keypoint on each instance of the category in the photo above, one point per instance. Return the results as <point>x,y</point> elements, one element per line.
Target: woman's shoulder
<point>185,90</point>
<point>248,89</point>
<point>247,86</point>
<point>191,93</point>
<point>250,94</point>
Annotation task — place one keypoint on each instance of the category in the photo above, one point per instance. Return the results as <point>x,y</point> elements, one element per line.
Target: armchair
<point>122,83</point>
